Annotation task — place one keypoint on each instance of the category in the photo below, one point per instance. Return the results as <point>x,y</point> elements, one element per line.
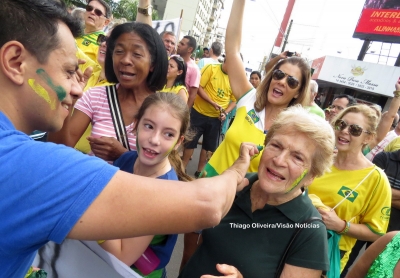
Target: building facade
<point>199,18</point>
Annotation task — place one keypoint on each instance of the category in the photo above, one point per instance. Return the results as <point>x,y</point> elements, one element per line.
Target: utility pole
<point>363,50</point>
<point>287,35</point>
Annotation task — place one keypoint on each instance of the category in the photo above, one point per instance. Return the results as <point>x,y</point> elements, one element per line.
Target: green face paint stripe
<point>61,93</point>
<point>297,181</point>
<point>38,89</point>
<point>170,149</point>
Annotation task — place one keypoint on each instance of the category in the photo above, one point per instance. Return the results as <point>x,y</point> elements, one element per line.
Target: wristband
<point>346,228</point>
<point>396,94</point>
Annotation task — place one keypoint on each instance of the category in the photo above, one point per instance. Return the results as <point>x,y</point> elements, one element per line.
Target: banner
<point>171,25</point>
<point>379,21</point>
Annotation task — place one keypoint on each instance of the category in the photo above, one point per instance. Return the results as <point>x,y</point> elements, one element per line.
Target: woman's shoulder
<point>247,98</point>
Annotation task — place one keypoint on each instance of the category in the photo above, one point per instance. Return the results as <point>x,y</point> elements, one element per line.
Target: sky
<point>320,27</point>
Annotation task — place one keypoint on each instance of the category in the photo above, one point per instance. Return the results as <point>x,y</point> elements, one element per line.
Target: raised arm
<point>234,64</point>
<point>132,205</point>
<point>141,17</point>
<point>387,117</point>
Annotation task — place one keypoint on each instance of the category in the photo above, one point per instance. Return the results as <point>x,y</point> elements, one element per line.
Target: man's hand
<point>227,271</point>
<point>241,165</point>
<point>107,148</point>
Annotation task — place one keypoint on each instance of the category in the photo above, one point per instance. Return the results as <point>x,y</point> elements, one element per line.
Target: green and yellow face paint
<point>42,92</point>
<point>61,93</point>
<point>297,181</point>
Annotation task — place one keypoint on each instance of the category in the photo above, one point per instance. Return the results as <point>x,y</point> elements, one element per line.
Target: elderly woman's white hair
<point>297,119</point>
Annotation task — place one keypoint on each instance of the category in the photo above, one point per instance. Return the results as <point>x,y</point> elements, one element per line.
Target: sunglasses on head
<point>178,57</point>
<point>101,38</point>
<point>354,130</point>
<point>96,11</point>
<point>292,82</point>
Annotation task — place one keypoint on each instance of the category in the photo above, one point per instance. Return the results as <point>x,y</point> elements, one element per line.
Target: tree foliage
<point>120,9</point>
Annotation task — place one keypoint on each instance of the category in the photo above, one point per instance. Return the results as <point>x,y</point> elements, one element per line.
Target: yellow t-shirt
<point>247,127</point>
<point>174,89</point>
<point>394,145</point>
<point>369,204</point>
<point>216,84</point>
<point>88,44</point>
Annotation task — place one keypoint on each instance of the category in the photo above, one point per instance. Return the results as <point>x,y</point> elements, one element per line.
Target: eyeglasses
<point>96,11</point>
<point>101,38</point>
<point>339,108</point>
<point>291,81</point>
<point>354,130</point>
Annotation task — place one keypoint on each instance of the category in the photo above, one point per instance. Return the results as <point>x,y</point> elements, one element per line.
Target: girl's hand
<point>397,85</point>
<point>331,220</point>
<point>227,271</point>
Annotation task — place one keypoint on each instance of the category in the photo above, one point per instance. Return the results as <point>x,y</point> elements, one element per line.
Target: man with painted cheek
<point>54,192</point>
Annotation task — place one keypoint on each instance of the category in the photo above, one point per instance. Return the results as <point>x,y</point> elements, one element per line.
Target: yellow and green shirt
<point>216,84</point>
<point>369,204</point>
<point>248,126</point>
<point>88,44</point>
<point>175,89</point>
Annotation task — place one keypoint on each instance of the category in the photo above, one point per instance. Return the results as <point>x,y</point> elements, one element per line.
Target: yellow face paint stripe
<point>297,181</point>
<point>42,92</point>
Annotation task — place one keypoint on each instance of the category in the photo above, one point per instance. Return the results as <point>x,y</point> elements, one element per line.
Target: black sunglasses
<point>354,130</point>
<point>96,11</point>
<point>101,38</point>
<point>291,81</point>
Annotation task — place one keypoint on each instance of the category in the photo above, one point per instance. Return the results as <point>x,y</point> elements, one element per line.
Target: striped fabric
<point>94,103</point>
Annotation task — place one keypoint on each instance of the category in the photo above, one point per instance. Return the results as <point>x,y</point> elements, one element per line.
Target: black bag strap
<point>296,233</point>
<point>116,115</point>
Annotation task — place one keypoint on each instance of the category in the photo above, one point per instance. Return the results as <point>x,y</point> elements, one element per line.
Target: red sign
<point>379,21</point>
<point>284,23</point>
<point>317,66</point>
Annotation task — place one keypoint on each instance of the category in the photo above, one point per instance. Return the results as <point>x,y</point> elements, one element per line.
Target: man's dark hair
<point>205,48</point>
<point>352,100</point>
<point>105,5</point>
<point>217,48</point>
<point>192,42</point>
<point>34,23</point>
<point>157,78</point>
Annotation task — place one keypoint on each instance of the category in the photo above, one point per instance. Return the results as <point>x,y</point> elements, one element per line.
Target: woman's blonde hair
<point>297,119</point>
<point>304,94</point>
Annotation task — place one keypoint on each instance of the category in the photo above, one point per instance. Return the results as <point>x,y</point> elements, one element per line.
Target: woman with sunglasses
<point>285,85</point>
<point>137,62</point>
<point>176,77</point>
<point>356,192</point>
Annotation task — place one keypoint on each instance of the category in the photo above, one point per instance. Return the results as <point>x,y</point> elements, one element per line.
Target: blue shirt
<point>45,189</point>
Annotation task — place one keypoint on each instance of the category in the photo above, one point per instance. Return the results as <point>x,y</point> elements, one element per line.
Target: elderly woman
<point>256,231</point>
<point>356,192</point>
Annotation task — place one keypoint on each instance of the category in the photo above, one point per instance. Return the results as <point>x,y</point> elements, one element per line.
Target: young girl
<point>162,124</point>
<point>176,77</point>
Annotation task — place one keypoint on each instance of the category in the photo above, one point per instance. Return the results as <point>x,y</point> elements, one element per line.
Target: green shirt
<point>254,242</point>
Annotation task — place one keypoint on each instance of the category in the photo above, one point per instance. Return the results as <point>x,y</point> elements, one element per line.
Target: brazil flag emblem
<point>344,191</point>
<point>253,116</point>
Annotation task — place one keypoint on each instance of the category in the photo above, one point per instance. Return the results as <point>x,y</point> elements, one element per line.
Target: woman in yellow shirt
<point>176,77</point>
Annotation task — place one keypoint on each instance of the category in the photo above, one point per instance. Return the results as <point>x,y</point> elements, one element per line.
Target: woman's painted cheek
<point>297,181</point>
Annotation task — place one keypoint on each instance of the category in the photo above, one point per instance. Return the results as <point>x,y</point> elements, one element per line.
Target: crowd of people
<point>124,108</point>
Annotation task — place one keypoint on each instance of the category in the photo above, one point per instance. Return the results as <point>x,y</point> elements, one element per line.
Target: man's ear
<point>106,22</point>
<point>191,49</point>
<point>12,61</point>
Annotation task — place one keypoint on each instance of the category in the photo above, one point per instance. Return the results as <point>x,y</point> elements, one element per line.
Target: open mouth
<point>277,93</point>
<point>275,175</point>
<point>343,141</point>
<point>149,153</point>
<point>126,74</point>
